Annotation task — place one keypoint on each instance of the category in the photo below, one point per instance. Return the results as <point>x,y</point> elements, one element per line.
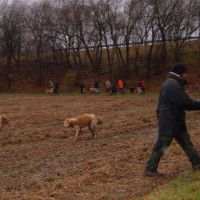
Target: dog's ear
<point>71,123</point>
<point>4,119</point>
<point>99,120</point>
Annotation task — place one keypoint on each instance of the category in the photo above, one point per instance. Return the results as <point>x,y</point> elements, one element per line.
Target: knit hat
<point>179,68</point>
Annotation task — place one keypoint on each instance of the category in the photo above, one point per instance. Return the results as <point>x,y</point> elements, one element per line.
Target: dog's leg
<point>91,130</point>
<point>78,130</point>
<point>1,127</point>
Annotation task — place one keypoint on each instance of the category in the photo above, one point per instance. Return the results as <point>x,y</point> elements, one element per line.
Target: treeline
<point>66,28</point>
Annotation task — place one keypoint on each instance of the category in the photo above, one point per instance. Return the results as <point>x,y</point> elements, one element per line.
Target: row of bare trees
<point>82,33</point>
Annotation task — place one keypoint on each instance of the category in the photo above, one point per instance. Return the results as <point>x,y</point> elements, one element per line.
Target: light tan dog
<point>3,121</point>
<point>81,121</point>
<point>94,90</point>
<point>49,91</point>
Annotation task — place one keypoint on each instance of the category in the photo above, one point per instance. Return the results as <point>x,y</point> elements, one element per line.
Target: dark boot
<point>153,162</point>
<point>196,168</point>
<point>184,140</point>
<point>153,174</point>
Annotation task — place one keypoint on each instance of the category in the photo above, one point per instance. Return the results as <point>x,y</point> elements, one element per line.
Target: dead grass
<point>40,161</point>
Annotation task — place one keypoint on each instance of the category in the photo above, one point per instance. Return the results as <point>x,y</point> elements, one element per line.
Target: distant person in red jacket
<point>120,86</point>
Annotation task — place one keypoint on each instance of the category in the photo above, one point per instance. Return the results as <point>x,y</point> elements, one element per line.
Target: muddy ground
<point>39,159</point>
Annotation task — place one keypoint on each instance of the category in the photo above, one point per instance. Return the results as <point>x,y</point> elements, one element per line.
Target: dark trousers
<point>82,90</point>
<point>162,144</point>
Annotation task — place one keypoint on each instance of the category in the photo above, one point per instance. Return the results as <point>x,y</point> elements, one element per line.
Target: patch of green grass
<point>186,187</point>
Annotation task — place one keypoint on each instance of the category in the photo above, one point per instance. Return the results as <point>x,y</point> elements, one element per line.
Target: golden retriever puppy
<point>3,121</point>
<point>49,91</point>
<point>94,90</point>
<point>81,121</point>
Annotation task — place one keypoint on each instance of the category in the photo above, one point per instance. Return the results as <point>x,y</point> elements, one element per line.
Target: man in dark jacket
<point>173,102</point>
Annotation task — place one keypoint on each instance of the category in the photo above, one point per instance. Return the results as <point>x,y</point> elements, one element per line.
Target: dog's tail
<point>4,120</point>
<point>99,120</point>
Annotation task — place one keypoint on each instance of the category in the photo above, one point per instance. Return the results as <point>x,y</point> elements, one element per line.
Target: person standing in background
<point>142,87</point>
<point>120,86</point>
<point>139,87</point>
<point>82,87</point>
<point>97,86</point>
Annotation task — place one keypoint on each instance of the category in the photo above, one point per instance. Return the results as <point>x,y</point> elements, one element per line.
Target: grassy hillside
<point>184,187</point>
<point>29,78</point>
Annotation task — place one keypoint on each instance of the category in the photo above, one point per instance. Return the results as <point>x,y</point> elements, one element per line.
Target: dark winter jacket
<point>173,102</point>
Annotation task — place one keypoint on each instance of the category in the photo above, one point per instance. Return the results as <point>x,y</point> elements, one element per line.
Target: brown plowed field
<point>39,159</point>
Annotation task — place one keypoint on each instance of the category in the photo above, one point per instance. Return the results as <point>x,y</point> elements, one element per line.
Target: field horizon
<point>40,160</point>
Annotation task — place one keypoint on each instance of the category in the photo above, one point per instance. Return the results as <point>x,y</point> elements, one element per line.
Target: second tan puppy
<point>81,121</point>
<point>3,121</point>
<point>49,91</point>
<point>94,90</point>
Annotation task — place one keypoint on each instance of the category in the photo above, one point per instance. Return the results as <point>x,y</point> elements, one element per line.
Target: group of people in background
<point>113,87</point>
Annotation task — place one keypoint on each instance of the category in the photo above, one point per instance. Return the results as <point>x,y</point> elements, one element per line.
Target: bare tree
<point>11,36</point>
<point>100,12</point>
<point>185,23</point>
<point>84,34</point>
<point>150,31</point>
<point>133,30</point>
<point>68,41</point>
<point>36,20</point>
<point>164,11</point>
